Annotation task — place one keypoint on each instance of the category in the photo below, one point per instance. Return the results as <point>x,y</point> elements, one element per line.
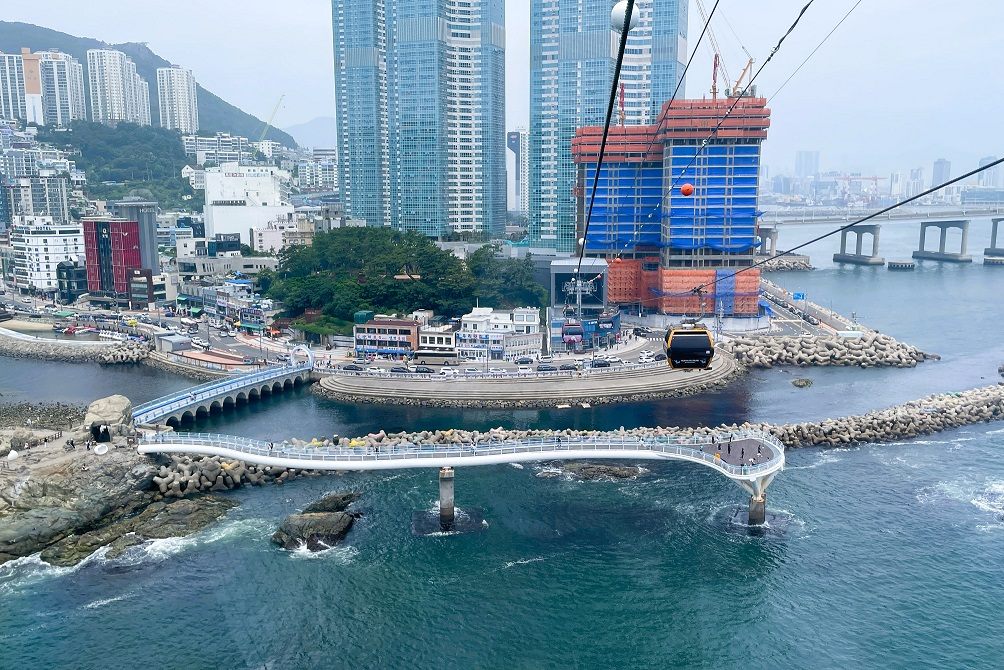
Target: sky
<point>899,84</point>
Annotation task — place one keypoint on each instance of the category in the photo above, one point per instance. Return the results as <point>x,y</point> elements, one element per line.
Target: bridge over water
<point>750,458</point>
<point>222,394</point>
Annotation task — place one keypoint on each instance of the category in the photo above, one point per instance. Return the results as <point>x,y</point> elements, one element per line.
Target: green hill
<point>215,114</point>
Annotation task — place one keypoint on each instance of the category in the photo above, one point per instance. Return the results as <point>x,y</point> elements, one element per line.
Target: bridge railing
<point>173,401</point>
<point>687,446</point>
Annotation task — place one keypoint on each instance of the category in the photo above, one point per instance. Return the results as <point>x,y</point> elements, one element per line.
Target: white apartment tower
<point>118,93</point>
<point>11,86</point>
<point>179,107</point>
<point>62,88</point>
<point>39,245</point>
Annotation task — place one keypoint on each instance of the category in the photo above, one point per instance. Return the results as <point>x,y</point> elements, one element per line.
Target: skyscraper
<point>518,142</point>
<point>11,86</point>
<point>118,93</point>
<point>991,177</point>
<point>179,107</point>
<point>62,88</point>
<point>420,98</point>
<point>572,56</point>
<point>33,108</point>
<point>942,172</point>
<point>806,164</point>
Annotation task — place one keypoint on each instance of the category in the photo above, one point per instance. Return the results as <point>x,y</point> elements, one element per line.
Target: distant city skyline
<point>856,100</point>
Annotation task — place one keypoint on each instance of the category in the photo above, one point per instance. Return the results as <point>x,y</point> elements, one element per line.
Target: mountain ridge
<point>215,113</point>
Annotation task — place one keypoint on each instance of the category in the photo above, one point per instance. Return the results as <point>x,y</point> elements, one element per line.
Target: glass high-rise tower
<point>572,56</point>
<point>420,92</point>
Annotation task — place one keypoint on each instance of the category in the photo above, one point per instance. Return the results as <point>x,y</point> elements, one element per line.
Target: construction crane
<point>622,102</point>
<point>271,118</point>
<point>719,63</point>
<point>748,70</point>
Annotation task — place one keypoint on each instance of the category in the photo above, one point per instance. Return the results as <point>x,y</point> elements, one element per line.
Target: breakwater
<point>792,263</point>
<point>872,350</point>
<point>73,352</point>
<point>187,475</point>
<point>908,420</point>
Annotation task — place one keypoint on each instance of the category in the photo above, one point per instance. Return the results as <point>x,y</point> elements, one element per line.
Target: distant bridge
<point>843,216</point>
<point>225,393</point>
<point>750,458</point>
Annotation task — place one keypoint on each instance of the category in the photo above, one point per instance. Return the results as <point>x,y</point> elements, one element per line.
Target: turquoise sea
<point>881,556</point>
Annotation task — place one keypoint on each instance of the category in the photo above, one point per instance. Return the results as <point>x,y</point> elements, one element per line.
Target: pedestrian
<point>88,445</point>
<point>742,453</point>
<point>759,449</point>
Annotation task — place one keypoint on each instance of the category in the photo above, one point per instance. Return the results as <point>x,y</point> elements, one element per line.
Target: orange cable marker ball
<point>687,189</point>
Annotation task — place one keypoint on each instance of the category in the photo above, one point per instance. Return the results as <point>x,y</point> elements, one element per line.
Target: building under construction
<point>660,244</point>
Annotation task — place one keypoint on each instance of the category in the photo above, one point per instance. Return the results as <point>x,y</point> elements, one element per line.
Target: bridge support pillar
<point>942,254</point>
<point>447,511</point>
<point>758,510</point>
<point>994,252</point>
<point>858,256</point>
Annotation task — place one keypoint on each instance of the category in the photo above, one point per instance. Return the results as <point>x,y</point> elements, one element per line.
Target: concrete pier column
<point>944,239</point>
<point>758,510</point>
<point>965,238</point>
<point>875,241</point>
<point>843,241</point>
<point>993,233</point>
<point>858,242</point>
<point>447,511</point>
<point>923,237</point>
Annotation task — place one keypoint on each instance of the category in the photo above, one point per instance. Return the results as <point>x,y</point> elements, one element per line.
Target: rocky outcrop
<point>43,415</point>
<point>597,471</point>
<point>801,383</point>
<point>333,502</point>
<point>871,350</point>
<point>156,521</point>
<point>68,494</point>
<point>115,412</point>
<point>317,531</point>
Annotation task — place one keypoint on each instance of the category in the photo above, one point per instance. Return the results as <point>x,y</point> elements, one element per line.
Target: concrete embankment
<point>871,350</point>
<point>912,419</point>
<point>613,386</point>
<point>16,345</point>
<point>161,362</point>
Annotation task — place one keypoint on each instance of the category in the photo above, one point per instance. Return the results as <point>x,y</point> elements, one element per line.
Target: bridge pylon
<point>447,509</point>
<point>758,498</point>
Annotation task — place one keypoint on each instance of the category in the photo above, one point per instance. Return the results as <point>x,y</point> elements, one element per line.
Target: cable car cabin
<point>572,332</point>
<point>689,349</point>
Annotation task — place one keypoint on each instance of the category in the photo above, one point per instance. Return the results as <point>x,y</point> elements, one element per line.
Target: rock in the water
<point>158,520</point>
<point>597,471</point>
<point>333,502</point>
<point>316,530</point>
<point>801,382</point>
<point>114,411</point>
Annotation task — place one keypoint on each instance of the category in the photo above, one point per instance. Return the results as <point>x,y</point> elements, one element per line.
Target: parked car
<point>448,372</point>
<point>544,367</point>
<point>524,370</point>
<point>472,371</point>
<point>601,363</point>
<point>523,360</point>
<point>400,370</point>
<point>352,367</point>
<point>568,366</point>
<point>496,371</point>
<point>546,359</point>
<point>424,370</point>
<point>660,357</point>
<point>614,359</point>
<point>374,370</point>
<point>26,301</point>
<point>282,358</point>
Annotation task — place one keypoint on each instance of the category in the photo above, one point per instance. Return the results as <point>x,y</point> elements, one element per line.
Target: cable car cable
<point>606,130</point>
<point>813,52</point>
<point>698,289</point>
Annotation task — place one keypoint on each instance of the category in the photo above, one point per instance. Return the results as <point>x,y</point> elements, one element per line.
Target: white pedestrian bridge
<point>748,457</point>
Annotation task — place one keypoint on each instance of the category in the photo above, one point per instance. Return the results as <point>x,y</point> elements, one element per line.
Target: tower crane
<point>271,118</point>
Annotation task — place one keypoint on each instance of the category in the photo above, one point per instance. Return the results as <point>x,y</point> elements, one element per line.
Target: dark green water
<point>882,556</point>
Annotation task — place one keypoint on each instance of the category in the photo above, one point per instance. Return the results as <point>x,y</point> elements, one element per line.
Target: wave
<point>522,561</point>
<point>340,554</point>
<point>106,601</point>
<point>825,458</point>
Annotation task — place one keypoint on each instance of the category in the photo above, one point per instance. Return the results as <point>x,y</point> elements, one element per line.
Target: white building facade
<point>242,197</point>
<point>218,149</point>
<point>11,86</point>
<point>486,333</point>
<point>177,95</point>
<point>277,235</point>
<point>39,246</point>
<point>62,88</point>
<point>118,93</point>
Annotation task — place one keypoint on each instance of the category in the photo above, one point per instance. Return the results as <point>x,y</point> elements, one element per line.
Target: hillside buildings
<point>179,105</point>
<point>572,55</point>
<point>420,100</point>
<point>117,92</point>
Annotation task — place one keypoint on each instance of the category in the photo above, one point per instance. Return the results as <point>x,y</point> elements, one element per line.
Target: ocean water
<point>877,556</point>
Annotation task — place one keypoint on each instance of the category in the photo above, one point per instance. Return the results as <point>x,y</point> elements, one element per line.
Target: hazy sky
<point>901,83</point>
